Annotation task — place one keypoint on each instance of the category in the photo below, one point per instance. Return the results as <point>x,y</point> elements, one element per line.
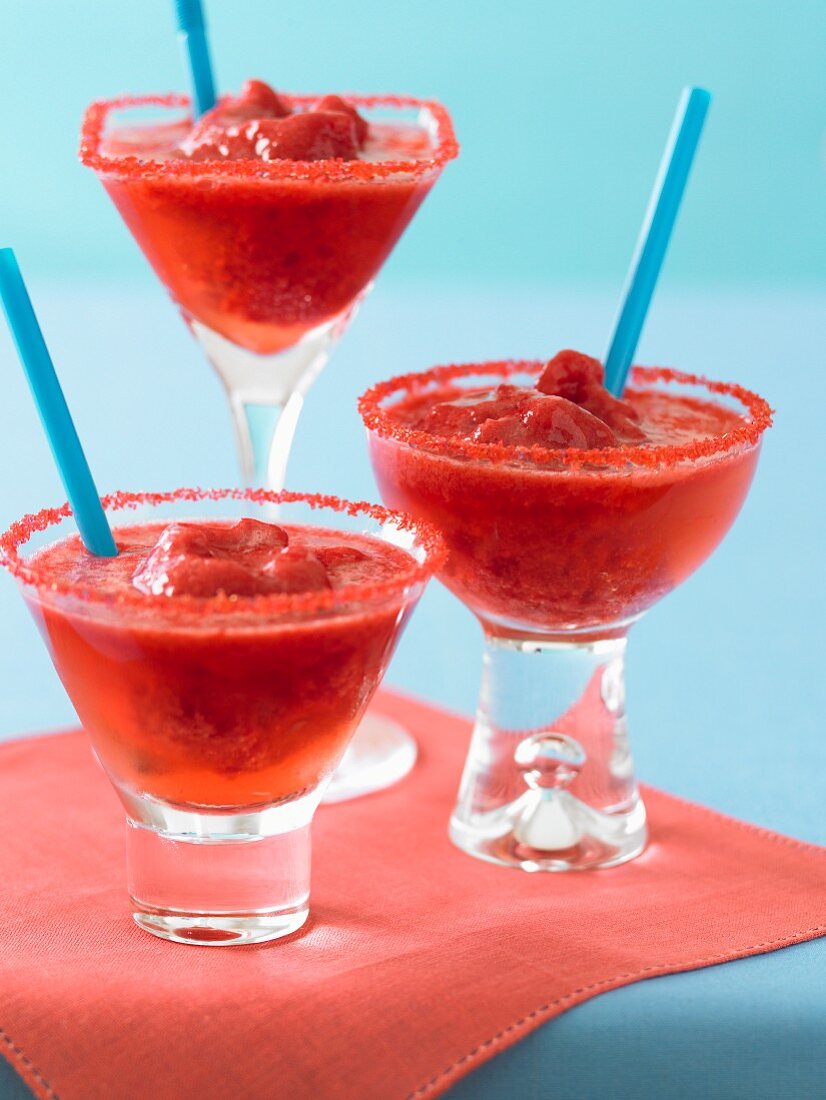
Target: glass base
<point>209,930</point>
<point>219,878</point>
<point>380,754</point>
<point>553,836</point>
<point>548,783</point>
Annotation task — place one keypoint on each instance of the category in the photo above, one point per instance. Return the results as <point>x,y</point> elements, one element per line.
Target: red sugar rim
<point>377,419</point>
<point>133,167</point>
<point>27,572</point>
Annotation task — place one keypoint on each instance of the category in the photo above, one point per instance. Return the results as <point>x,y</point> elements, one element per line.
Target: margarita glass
<point>220,718</point>
<point>267,262</point>
<point>558,552</point>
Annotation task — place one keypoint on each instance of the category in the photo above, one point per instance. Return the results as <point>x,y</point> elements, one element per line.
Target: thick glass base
<point>219,878</point>
<point>527,836</point>
<point>549,781</point>
<point>209,930</point>
<point>380,754</point>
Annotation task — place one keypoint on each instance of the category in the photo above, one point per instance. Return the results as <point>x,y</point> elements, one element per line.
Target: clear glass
<point>268,269</point>
<point>549,784</point>
<point>558,556</point>
<point>216,719</point>
<point>267,261</point>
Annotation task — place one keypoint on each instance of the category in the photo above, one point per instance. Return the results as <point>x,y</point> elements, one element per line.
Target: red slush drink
<point>271,214</point>
<point>565,509</point>
<point>220,664</point>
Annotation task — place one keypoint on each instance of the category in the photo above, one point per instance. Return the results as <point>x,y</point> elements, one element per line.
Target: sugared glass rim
<point>757,417</point>
<point>137,168</point>
<point>27,572</point>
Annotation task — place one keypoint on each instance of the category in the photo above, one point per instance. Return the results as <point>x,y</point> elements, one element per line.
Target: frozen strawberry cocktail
<point>222,663</point>
<point>270,214</point>
<point>565,508</point>
<point>567,512</point>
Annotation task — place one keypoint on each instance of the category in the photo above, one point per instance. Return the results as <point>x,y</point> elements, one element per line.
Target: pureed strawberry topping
<point>259,124</point>
<point>567,408</point>
<point>245,558</point>
<point>251,558</point>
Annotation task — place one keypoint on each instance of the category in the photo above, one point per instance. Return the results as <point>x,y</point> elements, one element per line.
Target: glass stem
<point>266,394</point>
<point>264,436</point>
<point>549,779</point>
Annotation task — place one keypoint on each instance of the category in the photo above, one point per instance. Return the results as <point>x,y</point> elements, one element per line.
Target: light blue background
<point>562,111</point>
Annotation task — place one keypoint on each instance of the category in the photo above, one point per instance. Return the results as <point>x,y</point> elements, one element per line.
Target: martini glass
<point>558,554</point>
<point>268,263</point>
<point>220,720</point>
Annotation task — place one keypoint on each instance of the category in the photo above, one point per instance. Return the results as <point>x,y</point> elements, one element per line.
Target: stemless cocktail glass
<point>267,262</point>
<point>558,553</point>
<point>220,719</point>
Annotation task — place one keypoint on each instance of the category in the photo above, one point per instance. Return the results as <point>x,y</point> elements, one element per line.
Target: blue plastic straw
<point>655,235</point>
<point>192,35</point>
<point>51,404</point>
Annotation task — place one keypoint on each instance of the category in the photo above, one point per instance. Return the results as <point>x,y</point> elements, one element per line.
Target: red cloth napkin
<point>418,962</point>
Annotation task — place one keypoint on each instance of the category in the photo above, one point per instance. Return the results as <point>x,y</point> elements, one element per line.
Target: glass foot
<point>380,754</point>
<point>558,835</point>
<point>208,930</point>
<point>219,878</point>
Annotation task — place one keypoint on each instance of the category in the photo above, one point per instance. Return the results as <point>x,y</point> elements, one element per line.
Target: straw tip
<point>8,263</point>
<point>697,94</point>
<point>189,14</point>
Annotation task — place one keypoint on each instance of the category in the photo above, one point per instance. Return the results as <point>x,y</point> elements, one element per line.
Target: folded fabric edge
<point>510,1035</point>
<point>25,1068</point>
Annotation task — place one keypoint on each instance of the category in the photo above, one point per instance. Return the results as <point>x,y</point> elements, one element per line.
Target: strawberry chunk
<point>570,374</point>
<point>548,422</point>
<point>263,100</point>
<point>259,125</point>
<point>248,536</point>
<point>579,378</point>
<point>311,135</point>
<point>340,106</point>
<point>463,414</point>
<point>248,558</point>
<point>295,570</point>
